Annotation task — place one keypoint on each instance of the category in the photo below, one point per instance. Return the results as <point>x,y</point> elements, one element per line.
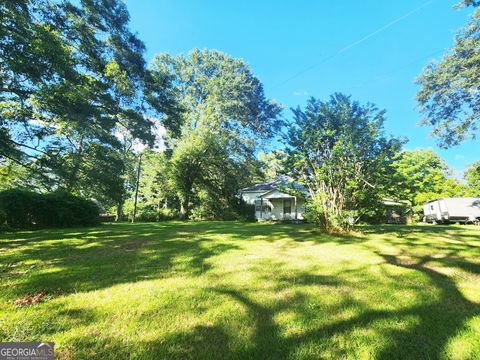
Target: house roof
<point>277,183</point>
<point>276,194</point>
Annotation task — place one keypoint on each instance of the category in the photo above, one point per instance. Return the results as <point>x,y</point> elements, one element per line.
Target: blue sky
<point>314,48</point>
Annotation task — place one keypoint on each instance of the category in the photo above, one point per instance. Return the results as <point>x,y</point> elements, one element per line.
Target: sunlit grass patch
<point>234,290</point>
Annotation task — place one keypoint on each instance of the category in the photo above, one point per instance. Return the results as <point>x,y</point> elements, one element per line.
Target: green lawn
<point>244,291</point>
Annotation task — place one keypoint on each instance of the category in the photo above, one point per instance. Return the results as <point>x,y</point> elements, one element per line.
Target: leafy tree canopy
<point>423,176</point>
<point>221,117</point>
<point>68,71</point>
<point>215,90</point>
<point>449,95</point>
<point>72,74</point>
<point>472,177</point>
<point>338,150</point>
<point>468,3</point>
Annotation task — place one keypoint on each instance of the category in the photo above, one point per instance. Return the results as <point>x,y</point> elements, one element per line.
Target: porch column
<point>295,207</point>
<point>261,208</point>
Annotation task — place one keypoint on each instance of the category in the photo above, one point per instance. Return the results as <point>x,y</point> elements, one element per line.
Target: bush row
<point>153,215</point>
<point>20,209</point>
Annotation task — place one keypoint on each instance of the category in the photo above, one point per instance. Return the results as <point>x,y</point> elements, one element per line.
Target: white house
<point>276,200</point>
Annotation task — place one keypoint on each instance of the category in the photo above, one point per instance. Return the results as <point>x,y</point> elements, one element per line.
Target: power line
<point>413,62</point>
<point>358,42</point>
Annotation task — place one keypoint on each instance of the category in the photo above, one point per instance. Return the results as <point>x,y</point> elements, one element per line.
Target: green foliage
<point>391,212</point>
<point>71,67</point>
<point>218,91</point>
<point>20,209</point>
<point>13,175</point>
<point>422,176</point>
<point>472,176</point>
<point>96,173</point>
<point>72,76</point>
<point>449,94</point>
<point>204,175</point>
<point>338,150</point>
<point>271,164</point>
<point>78,71</point>
<point>155,186</point>
<point>200,176</point>
<point>147,214</point>
<point>224,118</point>
<point>244,211</point>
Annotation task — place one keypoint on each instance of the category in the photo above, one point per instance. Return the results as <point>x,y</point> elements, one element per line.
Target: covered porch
<point>278,206</point>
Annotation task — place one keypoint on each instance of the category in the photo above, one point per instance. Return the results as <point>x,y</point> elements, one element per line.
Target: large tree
<point>205,176</point>
<point>337,149</point>
<point>72,74</point>
<point>449,95</point>
<point>218,102</point>
<point>215,90</point>
<point>155,182</point>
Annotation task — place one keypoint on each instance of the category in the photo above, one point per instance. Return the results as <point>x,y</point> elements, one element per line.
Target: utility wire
<point>413,62</point>
<point>358,42</point>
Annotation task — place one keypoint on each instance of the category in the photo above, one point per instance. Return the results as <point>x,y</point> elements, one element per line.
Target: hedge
<point>20,209</point>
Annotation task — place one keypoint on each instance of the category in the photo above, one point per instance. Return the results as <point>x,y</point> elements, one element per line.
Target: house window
<point>287,206</point>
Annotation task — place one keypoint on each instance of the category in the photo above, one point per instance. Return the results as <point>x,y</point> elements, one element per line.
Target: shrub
<point>167,214</point>
<point>69,210</point>
<point>326,219</point>
<point>152,215</point>
<point>235,208</point>
<point>20,209</point>
<point>245,211</point>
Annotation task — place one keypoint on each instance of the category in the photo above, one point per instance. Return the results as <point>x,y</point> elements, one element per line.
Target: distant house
<point>279,199</point>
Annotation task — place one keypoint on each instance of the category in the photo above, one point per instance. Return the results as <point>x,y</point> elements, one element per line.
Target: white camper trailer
<point>444,211</point>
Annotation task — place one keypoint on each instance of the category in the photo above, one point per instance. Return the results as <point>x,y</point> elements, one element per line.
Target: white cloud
<point>459,157</point>
<point>300,93</point>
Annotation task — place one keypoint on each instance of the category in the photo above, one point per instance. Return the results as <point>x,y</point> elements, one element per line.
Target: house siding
<point>276,205</point>
<point>250,197</point>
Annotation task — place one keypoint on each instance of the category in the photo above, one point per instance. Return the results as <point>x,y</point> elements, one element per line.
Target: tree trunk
<point>185,208</point>
<point>136,188</point>
<point>119,214</point>
<point>72,178</point>
<point>182,210</point>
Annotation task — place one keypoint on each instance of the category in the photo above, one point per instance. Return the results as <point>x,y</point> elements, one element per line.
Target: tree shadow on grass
<point>120,255</point>
<point>62,319</point>
<point>87,259</point>
<point>103,257</point>
<point>438,321</point>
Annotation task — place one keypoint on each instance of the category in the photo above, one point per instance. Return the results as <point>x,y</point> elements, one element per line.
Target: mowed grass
<point>226,290</point>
